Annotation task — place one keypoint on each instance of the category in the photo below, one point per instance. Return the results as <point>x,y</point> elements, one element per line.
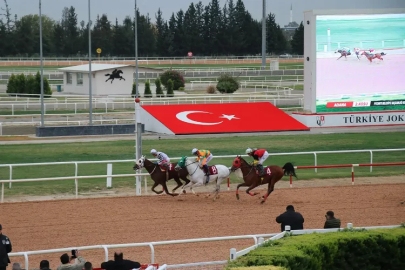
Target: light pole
<point>90,76</point>
<point>264,36</point>
<point>138,124</point>
<point>42,65</point>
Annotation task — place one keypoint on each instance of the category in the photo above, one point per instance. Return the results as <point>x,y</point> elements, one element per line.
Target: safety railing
<point>259,240</point>
<point>77,163</point>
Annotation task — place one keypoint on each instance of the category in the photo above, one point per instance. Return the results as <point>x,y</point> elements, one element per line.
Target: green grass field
<point>91,151</point>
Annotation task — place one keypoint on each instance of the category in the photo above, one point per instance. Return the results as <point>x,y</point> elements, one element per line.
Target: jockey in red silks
<point>164,160</point>
<point>259,157</point>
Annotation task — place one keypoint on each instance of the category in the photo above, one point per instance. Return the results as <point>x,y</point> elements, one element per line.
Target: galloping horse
<point>371,56</point>
<point>253,180</point>
<point>217,173</point>
<point>344,52</point>
<point>160,177</point>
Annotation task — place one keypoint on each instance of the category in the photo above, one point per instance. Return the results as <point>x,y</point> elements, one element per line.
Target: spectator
<point>88,266</point>
<point>291,218</point>
<point>5,248</point>
<point>331,222</point>
<point>67,264</point>
<point>16,266</point>
<point>44,265</point>
<point>119,263</point>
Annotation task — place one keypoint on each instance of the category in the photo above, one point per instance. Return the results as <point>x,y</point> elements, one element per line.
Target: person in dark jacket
<point>291,218</point>
<point>331,222</point>
<point>44,265</point>
<point>5,248</point>
<point>119,263</point>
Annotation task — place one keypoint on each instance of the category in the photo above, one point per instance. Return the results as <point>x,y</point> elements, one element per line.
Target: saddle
<point>212,170</point>
<point>267,171</point>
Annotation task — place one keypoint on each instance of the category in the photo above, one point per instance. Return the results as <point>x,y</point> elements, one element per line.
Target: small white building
<point>107,79</point>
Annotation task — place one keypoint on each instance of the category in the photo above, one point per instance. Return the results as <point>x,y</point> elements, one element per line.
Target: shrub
<point>20,83</point>
<point>133,93</point>
<point>11,84</point>
<point>211,89</point>
<point>148,93</point>
<point>181,89</point>
<point>227,84</point>
<point>31,84</point>
<point>37,89</point>
<point>374,249</point>
<point>176,77</point>
<point>159,91</point>
<point>170,92</point>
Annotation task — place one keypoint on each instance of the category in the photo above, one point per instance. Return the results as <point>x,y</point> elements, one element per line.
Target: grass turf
<point>115,150</point>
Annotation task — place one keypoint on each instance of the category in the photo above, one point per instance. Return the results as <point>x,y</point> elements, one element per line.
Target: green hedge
<point>358,249</point>
<point>21,84</point>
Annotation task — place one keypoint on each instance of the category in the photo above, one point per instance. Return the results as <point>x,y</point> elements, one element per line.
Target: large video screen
<point>360,62</point>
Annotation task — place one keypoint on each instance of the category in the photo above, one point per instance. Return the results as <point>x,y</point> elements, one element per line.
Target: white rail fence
<point>76,177</point>
<point>234,254</point>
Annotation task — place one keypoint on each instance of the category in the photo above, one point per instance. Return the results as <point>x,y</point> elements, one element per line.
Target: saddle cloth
<point>171,167</point>
<point>267,171</point>
<point>213,170</point>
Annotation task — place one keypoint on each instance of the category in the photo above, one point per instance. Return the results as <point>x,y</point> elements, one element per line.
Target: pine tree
<point>148,92</point>
<point>297,43</point>
<point>170,92</point>
<point>159,91</point>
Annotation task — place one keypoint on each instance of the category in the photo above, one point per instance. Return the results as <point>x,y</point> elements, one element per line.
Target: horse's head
<point>181,164</point>
<point>237,163</point>
<point>140,163</point>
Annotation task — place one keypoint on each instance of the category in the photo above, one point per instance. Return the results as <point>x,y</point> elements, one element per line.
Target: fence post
<point>232,254</point>
<point>11,176</point>
<point>76,180</point>
<point>290,181</point>
<point>261,241</point>
<point>371,160</point>
<point>106,106</point>
<point>2,192</point>
<point>152,250</point>
<point>26,260</point>
<point>109,172</point>
<point>146,185</point>
<point>228,183</point>
<point>1,130</point>
<point>105,252</point>
<point>352,175</point>
<point>12,109</point>
<point>350,225</point>
<point>316,162</point>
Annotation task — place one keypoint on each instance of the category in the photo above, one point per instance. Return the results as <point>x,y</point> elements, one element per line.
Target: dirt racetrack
<point>68,223</point>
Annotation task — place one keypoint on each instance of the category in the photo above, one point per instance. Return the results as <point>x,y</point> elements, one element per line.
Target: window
<point>79,78</point>
<point>69,78</point>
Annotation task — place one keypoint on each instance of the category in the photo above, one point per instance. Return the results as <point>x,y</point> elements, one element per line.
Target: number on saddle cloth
<point>169,166</point>
<point>213,170</point>
<point>267,171</point>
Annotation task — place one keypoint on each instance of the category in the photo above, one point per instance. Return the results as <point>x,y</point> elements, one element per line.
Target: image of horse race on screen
<point>360,62</point>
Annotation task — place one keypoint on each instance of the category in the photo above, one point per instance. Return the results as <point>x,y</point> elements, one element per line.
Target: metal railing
<point>76,163</point>
<point>257,238</point>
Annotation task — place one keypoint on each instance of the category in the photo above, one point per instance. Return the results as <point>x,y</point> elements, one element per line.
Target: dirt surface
<point>114,220</point>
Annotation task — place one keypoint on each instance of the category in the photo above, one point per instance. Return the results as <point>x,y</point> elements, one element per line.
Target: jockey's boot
<point>261,169</point>
<point>207,174</point>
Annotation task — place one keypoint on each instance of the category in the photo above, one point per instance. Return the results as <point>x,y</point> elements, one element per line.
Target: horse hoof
<point>262,202</point>
<point>184,191</point>
<point>237,197</point>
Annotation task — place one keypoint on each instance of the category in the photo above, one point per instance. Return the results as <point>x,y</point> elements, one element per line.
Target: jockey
<point>164,160</point>
<point>207,156</point>
<point>259,157</point>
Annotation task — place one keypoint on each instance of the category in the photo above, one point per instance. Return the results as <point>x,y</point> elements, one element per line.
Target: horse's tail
<point>289,169</point>
<point>107,75</point>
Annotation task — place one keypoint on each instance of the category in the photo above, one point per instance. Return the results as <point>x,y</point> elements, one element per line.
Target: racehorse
<point>252,179</point>
<point>115,75</point>
<point>371,56</point>
<point>217,173</point>
<point>161,177</point>
<point>344,53</point>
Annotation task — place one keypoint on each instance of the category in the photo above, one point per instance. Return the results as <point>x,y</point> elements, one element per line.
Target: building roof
<point>94,67</point>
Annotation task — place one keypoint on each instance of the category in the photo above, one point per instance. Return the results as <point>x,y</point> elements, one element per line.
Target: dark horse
<point>253,180</point>
<point>115,75</point>
<point>160,177</point>
<point>371,56</point>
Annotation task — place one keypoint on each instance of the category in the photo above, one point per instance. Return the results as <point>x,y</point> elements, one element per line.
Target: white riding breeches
<point>208,159</point>
<point>264,157</point>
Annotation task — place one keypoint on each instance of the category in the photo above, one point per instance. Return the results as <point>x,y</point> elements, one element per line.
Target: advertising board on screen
<point>360,62</point>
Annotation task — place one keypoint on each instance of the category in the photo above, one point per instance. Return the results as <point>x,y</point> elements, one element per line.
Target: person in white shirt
<point>164,160</point>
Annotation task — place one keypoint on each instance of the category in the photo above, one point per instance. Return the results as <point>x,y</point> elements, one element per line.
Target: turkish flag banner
<point>223,118</point>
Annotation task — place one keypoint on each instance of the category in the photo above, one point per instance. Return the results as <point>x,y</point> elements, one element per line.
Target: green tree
<point>133,93</point>
<point>101,35</point>
<point>47,88</point>
<point>31,84</point>
<point>161,34</point>
<point>191,34</point>
<point>297,43</point>
<point>170,92</point>
<point>148,92</point>
<point>70,31</point>
<point>20,83</point>
<point>124,38</point>
<point>11,85</point>
<point>227,84</point>
<point>276,42</point>
<point>159,91</point>
<point>176,77</point>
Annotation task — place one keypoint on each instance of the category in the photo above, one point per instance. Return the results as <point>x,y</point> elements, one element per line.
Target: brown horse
<point>371,56</point>
<point>160,177</point>
<point>252,179</point>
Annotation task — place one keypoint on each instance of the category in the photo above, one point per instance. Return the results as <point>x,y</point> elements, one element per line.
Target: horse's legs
<point>179,183</point>
<point>185,186</point>
<point>153,188</point>
<point>270,189</point>
<point>166,190</point>
<point>237,189</point>
<point>252,187</point>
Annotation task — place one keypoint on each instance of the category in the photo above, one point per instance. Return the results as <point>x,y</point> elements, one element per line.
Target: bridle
<point>245,166</point>
<point>185,165</point>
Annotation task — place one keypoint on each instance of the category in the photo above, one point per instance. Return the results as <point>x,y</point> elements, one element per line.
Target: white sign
<point>351,119</point>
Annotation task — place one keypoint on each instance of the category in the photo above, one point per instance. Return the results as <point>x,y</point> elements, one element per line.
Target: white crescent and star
<point>183,116</point>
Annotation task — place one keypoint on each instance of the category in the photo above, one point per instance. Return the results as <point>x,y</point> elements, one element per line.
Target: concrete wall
<point>49,131</point>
